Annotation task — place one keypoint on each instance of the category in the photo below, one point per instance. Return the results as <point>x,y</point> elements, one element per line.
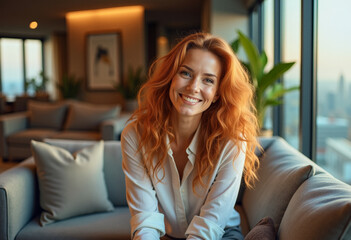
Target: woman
<point>191,139</point>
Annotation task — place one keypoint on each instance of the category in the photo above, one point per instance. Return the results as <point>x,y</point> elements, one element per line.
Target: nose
<point>194,84</point>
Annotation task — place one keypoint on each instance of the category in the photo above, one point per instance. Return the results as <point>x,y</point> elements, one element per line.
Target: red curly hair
<point>231,117</point>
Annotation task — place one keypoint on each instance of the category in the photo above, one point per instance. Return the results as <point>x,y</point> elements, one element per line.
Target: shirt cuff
<point>149,220</point>
<point>201,228</point>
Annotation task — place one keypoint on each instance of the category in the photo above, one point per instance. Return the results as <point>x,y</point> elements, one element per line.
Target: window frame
<point>308,79</point>
<point>23,38</point>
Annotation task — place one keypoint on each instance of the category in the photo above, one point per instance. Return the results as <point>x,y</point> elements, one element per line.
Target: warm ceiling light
<point>104,12</point>
<point>33,25</point>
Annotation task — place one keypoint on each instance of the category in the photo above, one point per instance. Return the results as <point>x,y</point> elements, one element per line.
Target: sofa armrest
<point>19,201</point>
<point>112,128</point>
<point>9,124</point>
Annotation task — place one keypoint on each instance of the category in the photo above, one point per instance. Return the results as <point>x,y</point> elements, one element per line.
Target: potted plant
<point>69,86</point>
<point>268,92</point>
<point>38,86</point>
<point>130,86</point>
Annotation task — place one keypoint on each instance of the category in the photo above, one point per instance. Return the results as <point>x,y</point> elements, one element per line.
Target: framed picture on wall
<point>104,60</point>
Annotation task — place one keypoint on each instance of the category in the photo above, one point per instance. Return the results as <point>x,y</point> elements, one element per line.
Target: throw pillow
<point>88,116</point>
<point>282,170</point>
<point>70,185</point>
<point>46,115</point>
<point>264,230</point>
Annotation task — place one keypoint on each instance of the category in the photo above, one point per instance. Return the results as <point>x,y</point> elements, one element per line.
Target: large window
<point>21,59</point>
<point>325,135</point>
<point>334,88</point>
<point>268,46</point>
<point>291,50</point>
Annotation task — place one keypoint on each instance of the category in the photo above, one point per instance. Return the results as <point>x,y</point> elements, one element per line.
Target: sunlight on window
<point>33,60</point>
<point>11,67</point>
<point>14,67</point>
<point>291,48</point>
<point>334,88</point>
<point>268,36</point>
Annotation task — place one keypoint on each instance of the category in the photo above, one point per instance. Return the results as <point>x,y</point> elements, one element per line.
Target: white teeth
<point>192,100</point>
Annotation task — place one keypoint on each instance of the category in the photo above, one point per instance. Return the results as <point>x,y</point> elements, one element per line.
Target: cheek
<point>177,82</point>
<point>210,94</point>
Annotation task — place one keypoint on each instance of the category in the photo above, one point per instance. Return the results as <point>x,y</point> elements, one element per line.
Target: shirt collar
<point>192,148</point>
<point>193,144</point>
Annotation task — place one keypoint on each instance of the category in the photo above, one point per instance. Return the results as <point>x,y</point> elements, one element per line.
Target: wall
<point>227,17</point>
<point>128,20</point>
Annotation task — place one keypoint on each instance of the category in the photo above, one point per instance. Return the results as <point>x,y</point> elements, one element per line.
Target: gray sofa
<point>68,119</point>
<point>305,202</point>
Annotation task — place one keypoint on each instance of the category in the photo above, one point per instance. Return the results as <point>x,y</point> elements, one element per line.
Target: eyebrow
<point>190,69</point>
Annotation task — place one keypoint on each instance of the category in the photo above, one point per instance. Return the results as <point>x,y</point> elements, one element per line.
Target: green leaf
<point>235,45</point>
<point>263,63</point>
<point>278,91</point>
<point>130,86</point>
<point>271,102</point>
<point>69,86</point>
<point>251,53</point>
<point>273,75</point>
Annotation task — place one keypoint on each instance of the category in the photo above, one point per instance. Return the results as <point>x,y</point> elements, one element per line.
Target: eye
<point>209,80</point>
<point>185,74</point>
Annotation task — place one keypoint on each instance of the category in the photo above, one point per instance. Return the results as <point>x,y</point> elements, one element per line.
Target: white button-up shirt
<point>171,206</point>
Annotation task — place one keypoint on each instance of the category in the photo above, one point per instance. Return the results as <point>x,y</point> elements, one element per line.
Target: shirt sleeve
<point>220,201</point>
<point>146,222</point>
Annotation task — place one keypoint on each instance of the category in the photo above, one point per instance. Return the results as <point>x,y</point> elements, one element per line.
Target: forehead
<point>200,59</point>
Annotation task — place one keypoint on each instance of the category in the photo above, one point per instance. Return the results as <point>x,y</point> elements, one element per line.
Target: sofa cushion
<point>320,209</point>
<point>88,116</point>
<point>77,135</point>
<point>46,115</point>
<point>283,169</point>
<point>264,142</point>
<point>70,185</point>
<point>114,176</point>
<point>98,226</point>
<point>264,230</point>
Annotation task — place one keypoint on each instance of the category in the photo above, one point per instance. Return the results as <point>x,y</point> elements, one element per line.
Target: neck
<point>184,127</point>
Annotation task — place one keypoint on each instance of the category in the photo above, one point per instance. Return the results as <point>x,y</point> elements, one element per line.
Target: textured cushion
<point>114,176</point>
<point>283,169</point>
<point>264,230</point>
<point>87,116</point>
<point>70,185</point>
<point>46,115</point>
<point>320,209</point>
<point>264,143</point>
<point>99,226</point>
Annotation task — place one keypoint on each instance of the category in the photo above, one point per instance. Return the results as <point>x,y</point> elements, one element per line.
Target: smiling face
<point>194,87</point>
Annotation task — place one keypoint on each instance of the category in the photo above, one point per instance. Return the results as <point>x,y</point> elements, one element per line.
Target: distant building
<point>331,105</point>
<point>338,155</point>
<point>329,128</point>
<point>341,98</point>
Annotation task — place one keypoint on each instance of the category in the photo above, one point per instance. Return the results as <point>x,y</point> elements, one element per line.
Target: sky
<point>333,37</point>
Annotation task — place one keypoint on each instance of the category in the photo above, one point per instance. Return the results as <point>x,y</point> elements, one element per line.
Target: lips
<point>190,99</point>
